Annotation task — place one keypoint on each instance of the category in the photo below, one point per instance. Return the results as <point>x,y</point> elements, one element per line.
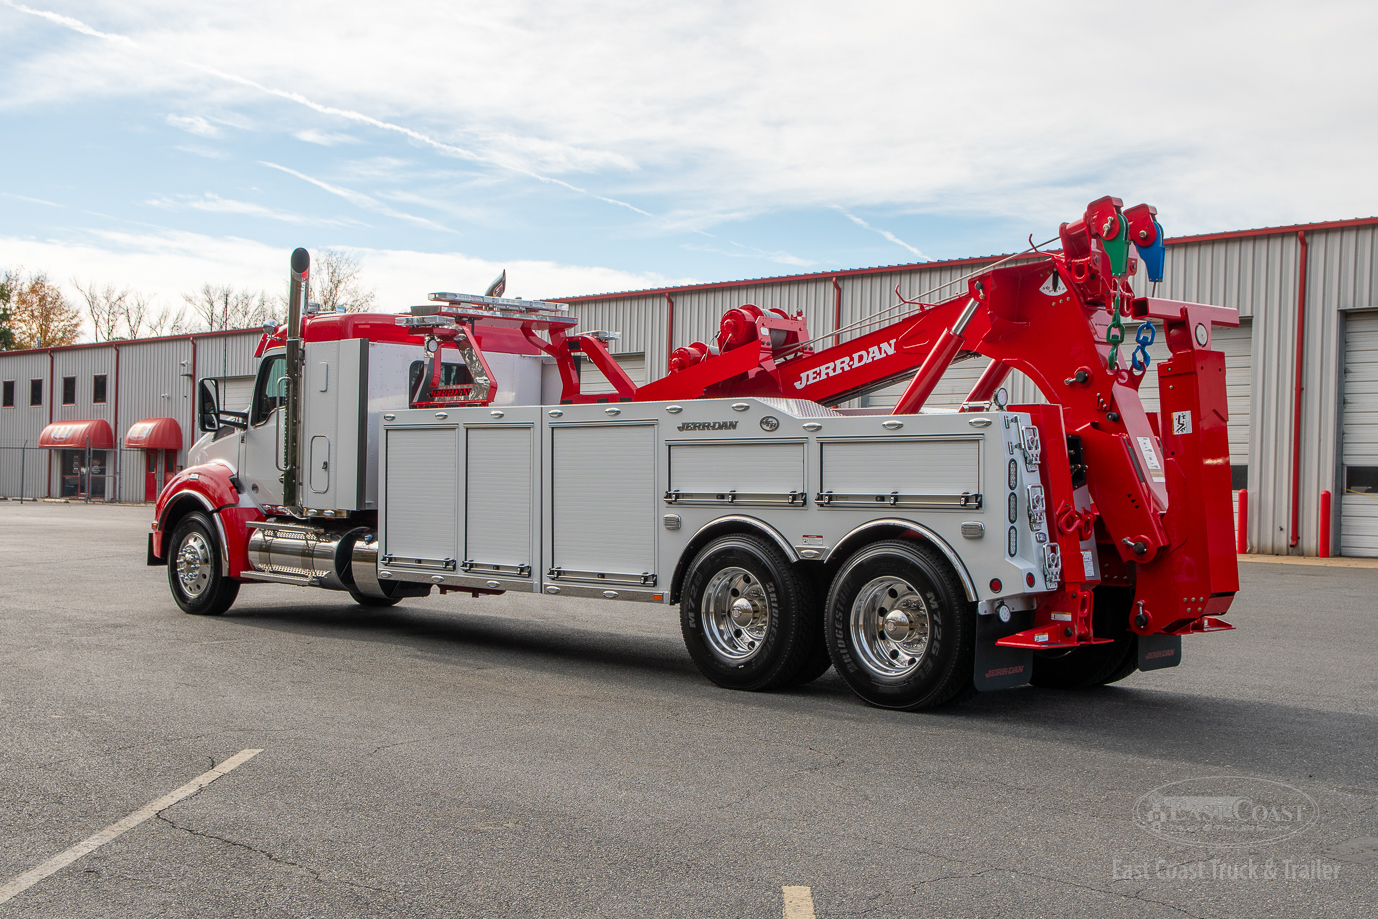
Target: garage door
<point>236,393</point>
<point>955,386</point>
<point>1359,504</point>
<point>592,381</point>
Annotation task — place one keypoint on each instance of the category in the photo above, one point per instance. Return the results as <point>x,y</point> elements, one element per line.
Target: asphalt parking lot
<point>520,756</point>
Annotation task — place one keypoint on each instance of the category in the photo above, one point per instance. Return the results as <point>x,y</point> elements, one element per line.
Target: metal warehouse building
<point>1302,373</point>
<point>110,421</point>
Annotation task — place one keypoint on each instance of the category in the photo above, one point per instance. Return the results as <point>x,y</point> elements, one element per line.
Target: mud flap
<point>996,667</point>
<point>1159,651</point>
<point>153,559</point>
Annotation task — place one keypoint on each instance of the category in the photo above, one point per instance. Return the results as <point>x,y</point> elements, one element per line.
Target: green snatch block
<point>1118,248</point>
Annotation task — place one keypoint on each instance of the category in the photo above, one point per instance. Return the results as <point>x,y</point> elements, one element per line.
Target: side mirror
<point>208,406</point>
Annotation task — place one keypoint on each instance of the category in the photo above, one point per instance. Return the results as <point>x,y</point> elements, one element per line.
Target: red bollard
<point>1325,524</point>
<point>1242,538</point>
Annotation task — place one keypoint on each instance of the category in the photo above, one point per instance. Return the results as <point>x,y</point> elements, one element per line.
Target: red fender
<point>208,484</point>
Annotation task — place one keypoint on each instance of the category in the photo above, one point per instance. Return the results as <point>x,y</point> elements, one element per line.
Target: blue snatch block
<point>1154,255</point>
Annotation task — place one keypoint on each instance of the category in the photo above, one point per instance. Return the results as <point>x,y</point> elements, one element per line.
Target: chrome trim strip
<point>757,523</point>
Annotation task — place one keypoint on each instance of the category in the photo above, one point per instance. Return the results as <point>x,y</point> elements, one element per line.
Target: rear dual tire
<point>749,617</point>
<point>899,628</point>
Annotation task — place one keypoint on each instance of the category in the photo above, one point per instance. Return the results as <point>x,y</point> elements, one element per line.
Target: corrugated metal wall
<point>156,379</point>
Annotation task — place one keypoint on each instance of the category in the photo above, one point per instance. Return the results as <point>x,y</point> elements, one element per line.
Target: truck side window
<point>270,389</point>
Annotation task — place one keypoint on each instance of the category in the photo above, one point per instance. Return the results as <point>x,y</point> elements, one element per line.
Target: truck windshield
<point>270,390</point>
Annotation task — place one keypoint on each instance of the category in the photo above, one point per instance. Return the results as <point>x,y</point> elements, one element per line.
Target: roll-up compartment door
<point>603,502</point>
<point>909,472</point>
<point>1359,505</point>
<point>766,473</point>
<point>421,497</point>
<point>498,489</point>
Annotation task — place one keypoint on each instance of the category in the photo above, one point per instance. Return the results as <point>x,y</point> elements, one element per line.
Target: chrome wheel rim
<point>736,615</point>
<point>891,627</point>
<point>194,564</point>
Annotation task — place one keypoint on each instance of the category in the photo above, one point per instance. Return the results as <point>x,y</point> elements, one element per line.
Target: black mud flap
<point>153,559</point>
<point>1159,651</point>
<point>997,667</point>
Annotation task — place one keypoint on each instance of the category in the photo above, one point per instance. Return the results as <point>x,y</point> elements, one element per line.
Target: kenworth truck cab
<point>923,554</point>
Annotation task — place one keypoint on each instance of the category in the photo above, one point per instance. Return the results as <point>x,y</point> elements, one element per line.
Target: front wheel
<point>899,628</point>
<point>750,620</point>
<point>195,571</point>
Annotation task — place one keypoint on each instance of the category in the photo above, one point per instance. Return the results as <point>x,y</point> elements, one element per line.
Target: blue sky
<point>594,146</point>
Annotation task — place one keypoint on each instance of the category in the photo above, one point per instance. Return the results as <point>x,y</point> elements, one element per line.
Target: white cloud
<point>717,107</point>
<point>194,124</point>
<point>213,203</point>
<point>166,264</point>
<point>359,199</point>
<point>325,138</point>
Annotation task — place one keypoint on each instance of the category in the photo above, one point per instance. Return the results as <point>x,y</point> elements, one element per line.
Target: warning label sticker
<point>1150,455</point>
<point>1181,422</point>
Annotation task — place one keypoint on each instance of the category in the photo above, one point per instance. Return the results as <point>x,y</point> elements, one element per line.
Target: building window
<point>1239,477</point>
<point>9,394</point>
<point>69,390</point>
<point>35,392</point>
<point>98,388</point>
<point>1361,480</point>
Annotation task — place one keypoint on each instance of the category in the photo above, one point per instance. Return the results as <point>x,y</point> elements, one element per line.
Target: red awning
<point>72,435</point>
<point>155,434</point>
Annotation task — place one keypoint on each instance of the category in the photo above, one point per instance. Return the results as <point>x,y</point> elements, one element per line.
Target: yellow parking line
<point>798,902</point>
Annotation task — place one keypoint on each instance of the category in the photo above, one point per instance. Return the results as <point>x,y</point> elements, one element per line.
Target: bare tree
<point>135,313</point>
<point>220,307</point>
<point>335,282</point>
<point>106,307</point>
<point>41,316</point>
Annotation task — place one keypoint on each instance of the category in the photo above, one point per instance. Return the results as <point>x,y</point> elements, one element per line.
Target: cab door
<point>261,443</point>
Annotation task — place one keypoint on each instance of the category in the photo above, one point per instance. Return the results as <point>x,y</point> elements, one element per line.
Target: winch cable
<point>882,314</point>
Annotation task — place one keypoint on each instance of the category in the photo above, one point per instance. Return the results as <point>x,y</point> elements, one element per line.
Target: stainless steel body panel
<point>607,521</point>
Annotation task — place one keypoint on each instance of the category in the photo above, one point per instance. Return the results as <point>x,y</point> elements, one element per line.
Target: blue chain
<point>1145,336</point>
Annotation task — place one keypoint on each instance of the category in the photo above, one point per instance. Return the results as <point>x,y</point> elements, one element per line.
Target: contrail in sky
<point>77,25</point>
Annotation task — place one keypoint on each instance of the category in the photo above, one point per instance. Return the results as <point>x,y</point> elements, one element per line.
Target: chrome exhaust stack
<point>291,441</point>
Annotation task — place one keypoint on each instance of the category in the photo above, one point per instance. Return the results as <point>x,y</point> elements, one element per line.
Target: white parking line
<point>798,902</point>
<point>91,843</point>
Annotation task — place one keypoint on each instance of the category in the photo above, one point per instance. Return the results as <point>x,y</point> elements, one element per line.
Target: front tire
<point>899,627</point>
<point>195,572</point>
<point>749,619</point>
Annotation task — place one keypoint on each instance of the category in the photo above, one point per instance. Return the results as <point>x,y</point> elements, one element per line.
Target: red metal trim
<point>130,341</point>
<point>837,311</point>
<point>944,263</point>
<point>49,397</point>
<point>1297,388</point>
<point>1242,539</point>
<point>1275,231</point>
<point>816,276</point>
<point>1325,525</point>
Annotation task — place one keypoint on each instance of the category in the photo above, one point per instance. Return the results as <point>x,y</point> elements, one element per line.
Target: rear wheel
<point>749,619</point>
<point>195,571</point>
<point>1096,665</point>
<point>899,627</point>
